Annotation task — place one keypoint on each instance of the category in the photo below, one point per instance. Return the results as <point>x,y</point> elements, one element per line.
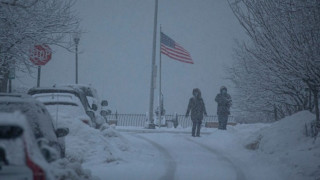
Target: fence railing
<point>139,120</point>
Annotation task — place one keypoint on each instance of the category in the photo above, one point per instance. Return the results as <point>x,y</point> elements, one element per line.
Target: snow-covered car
<point>94,102</point>
<point>89,91</point>
<point>40,121</point>
<point>64,106</point>
<point>76,92</point>
<point>20,156</point>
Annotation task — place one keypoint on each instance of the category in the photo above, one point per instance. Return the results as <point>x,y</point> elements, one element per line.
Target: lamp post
<point>76,41</point>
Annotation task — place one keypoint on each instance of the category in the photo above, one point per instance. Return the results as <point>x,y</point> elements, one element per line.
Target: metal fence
<point>139,120</point>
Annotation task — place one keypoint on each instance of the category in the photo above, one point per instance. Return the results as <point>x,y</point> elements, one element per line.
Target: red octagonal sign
<point>40,55</point>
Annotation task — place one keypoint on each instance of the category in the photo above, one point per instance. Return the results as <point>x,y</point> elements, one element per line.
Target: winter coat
<point>224,103</point>
<point>197,108</point>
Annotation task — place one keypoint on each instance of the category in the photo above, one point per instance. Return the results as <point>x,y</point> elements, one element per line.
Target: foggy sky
<point>116,52</point>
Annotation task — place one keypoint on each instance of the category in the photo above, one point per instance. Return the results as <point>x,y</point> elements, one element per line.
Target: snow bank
<point>285,144</point>
<point>87,146</point>
<point>64,169</point>
<point>279,150</point>
<point>84,142</point>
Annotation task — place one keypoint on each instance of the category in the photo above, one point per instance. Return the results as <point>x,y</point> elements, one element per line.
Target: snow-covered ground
<point>246,151</point>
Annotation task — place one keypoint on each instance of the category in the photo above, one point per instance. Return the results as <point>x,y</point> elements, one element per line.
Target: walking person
<point>224,103</point>
<point>198,109</point>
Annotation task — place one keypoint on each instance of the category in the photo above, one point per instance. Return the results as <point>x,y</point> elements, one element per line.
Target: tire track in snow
<point>170,165</point>
<point>239,174</point>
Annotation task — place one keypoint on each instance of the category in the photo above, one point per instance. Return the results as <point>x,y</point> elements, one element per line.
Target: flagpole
<point>160,92</point>
<point>152,84</point>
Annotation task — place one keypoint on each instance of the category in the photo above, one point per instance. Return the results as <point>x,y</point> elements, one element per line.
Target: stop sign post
<point>39,56</point>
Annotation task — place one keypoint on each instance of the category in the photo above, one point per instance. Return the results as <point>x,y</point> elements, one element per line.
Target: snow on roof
<point>57,97</point>
<point>88,89</point>
<point>75,85</point>
<point>15,118</point>
<point>52,88</point>
<point>6,97</point>
<point>19,95</point>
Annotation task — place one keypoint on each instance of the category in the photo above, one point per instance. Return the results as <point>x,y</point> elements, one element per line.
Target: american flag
<point>173,50</point>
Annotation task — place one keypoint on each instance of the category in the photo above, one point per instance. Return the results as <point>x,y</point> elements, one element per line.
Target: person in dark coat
<point>198,109</point>
<point>224,103</point>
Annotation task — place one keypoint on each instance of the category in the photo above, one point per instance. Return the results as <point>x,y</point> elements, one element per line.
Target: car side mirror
<point>105,112</point>
<point>91,114</point>
<point>49,153</point>
<point>61,132</point>
<point>42,142</point>
<point>104,103</point>
<point>10,131</point>
<point>94,107</point>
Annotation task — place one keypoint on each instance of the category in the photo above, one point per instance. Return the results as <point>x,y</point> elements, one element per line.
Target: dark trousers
<point>223,120</point>
<point>196,128</point>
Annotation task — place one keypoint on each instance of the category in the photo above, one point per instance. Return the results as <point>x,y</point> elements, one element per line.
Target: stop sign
<point>40,55</point>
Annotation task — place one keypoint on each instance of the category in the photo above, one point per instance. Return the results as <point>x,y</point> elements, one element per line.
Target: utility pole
<point>153,66</point>
<point>76,41</point>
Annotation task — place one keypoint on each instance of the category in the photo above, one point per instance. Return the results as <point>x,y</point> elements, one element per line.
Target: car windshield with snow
<point>64,106</point>
<point>76,92</point>
<point>95,103</point>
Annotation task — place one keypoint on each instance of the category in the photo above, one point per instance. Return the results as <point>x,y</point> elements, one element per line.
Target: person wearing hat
<point>224,103</point>
<point>198,109</point>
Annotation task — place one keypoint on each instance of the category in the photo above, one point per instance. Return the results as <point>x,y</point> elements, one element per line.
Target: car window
<point>91,101</point>
<point>63,110</point>
<point>47,94</point>
<point>87,91</point>
<point>46,123</point>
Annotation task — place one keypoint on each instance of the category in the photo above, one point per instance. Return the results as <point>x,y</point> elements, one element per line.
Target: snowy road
<point>185,158</point>
<point>224,159</point>
<point>178,156</point>
<point>169,162</point>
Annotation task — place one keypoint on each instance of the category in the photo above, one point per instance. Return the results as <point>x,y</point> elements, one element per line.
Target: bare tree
<point>285,47</point>
<point>26,23</point>
<point>260,90</point>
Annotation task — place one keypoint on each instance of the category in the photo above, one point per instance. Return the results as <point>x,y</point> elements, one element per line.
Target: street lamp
<point>76,41</point>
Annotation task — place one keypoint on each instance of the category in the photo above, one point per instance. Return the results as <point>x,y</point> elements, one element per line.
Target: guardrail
<point>139,120</point>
